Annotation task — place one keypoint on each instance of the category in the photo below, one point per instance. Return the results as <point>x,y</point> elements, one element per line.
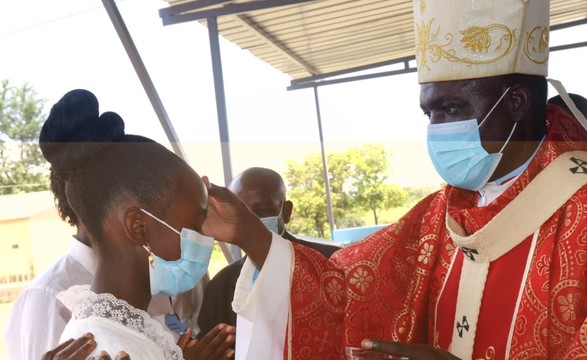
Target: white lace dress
<point>116,326</point>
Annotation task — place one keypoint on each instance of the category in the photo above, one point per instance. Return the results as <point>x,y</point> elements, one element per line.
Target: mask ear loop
<point>494,106</point>
<point>161,221</point>
<point>509,137</point>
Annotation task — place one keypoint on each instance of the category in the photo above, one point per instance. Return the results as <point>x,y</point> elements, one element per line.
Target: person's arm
<point>79,349</point>
<point>407,351</point>
<point>230,220</point>
<point>262,293</point>
<point>35,324</point>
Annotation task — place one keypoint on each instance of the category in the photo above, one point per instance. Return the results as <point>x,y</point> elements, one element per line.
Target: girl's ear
<point>135,226</point>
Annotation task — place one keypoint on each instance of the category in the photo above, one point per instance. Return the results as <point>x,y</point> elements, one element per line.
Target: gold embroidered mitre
<point>467,39</point>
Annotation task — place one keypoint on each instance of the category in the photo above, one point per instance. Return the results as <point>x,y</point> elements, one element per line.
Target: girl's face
<point>188,210</point>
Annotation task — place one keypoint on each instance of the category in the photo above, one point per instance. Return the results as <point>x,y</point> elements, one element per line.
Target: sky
<point>68,44</point>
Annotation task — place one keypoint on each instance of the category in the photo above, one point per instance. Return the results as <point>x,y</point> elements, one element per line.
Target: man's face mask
<point>457,153</point>
<point>175,277</point>
<point>272,223</point>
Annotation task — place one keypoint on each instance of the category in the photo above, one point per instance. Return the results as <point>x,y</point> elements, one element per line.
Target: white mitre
<point>468,39</point>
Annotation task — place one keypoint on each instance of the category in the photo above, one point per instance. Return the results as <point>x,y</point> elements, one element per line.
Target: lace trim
<point>84,303</point>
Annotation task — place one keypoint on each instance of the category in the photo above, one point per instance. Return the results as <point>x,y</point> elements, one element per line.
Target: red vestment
<point>387,286</point>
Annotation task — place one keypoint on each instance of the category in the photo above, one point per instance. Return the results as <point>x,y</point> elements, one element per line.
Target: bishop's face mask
<point>457,153</point>
<point>176,277</point>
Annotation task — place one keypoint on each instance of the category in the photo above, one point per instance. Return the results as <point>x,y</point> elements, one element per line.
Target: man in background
<point>263,191</point>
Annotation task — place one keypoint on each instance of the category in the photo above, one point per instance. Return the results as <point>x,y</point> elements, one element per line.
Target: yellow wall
<point>50,238</point>
<point>41,239</point>
<point>15,261</point>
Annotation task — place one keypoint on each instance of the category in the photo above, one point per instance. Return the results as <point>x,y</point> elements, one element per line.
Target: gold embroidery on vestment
<point>361,279</point>
<point>422,6</point>
<point>536,44</point>
<point>476,39</point>
<point>334,291</point>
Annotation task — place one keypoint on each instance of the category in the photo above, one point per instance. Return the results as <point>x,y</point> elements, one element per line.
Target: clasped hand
<point>410,351</point>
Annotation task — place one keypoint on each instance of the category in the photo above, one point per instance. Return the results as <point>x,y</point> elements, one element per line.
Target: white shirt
<point>116,326</point>
<point>37,318</point>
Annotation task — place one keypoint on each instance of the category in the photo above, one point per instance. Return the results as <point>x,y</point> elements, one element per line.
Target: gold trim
<point>531,48</point>
<point>476,39</point>
<point>422,6</point>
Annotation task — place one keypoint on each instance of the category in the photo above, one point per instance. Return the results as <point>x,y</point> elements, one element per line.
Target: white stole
<point>521,218</point>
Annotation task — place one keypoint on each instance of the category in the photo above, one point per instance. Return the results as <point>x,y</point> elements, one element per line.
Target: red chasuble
<point>401,283</point>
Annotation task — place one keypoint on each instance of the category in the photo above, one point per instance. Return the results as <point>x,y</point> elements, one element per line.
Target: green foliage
<point>371,192</point>
<point>309,195</point>
<point>358,183</point>
<point>416,194</point>
<point>22,166</point>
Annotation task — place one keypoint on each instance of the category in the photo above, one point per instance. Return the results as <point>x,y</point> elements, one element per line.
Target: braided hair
<point>95,165</point>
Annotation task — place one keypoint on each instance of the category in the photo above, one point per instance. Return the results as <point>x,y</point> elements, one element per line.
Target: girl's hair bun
<point>74,130</point>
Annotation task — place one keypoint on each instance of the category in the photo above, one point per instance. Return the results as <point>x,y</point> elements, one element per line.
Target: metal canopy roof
<point>306,39</point>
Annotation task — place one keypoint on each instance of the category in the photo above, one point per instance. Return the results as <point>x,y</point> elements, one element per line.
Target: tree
<point>306,182</point>
<point>22,166</point>
<point>370,190</point>
<point>358,183</point>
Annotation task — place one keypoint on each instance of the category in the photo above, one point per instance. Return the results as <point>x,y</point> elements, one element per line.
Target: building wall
<point>50,238</point>
<point>28,246</point>
<point>15,251</point>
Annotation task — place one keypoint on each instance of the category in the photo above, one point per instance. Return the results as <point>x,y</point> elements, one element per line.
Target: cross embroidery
<point>464,325</point>
<point>581,167</point>
<point>470,253</point>
<point>323,342</point>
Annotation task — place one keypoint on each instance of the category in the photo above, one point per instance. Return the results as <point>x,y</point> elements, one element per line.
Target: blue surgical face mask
<point>457,153</point>
<point>272,223</point>
<point>176,277</point>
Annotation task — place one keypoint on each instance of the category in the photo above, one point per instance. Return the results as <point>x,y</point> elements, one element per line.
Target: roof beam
<point>568,46</point>
<point>143,74</point>
<point>189,6</point>
<point>568,24</point>
<point>315,82</point>
<point>312,79</point>
<point>274,43</point>
<point>323,79</point>
<point>170,18</point>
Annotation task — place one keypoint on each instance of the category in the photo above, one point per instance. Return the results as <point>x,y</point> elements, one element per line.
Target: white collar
<point>83,254</point>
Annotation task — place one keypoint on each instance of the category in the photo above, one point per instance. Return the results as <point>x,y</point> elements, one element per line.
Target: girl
<point>143,208</point>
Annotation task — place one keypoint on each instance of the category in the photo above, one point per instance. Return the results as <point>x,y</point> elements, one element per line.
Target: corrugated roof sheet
<point>323,36</point>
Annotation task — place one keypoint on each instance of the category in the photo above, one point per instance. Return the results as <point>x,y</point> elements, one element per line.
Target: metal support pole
<point>235,252</point>
<point>324,165</point>
<point>143,74</point>
<point>133,54</point>
<point>220,98</point>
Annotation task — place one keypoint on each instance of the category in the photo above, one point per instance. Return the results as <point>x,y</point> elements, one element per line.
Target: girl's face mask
<point>175,277</point>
